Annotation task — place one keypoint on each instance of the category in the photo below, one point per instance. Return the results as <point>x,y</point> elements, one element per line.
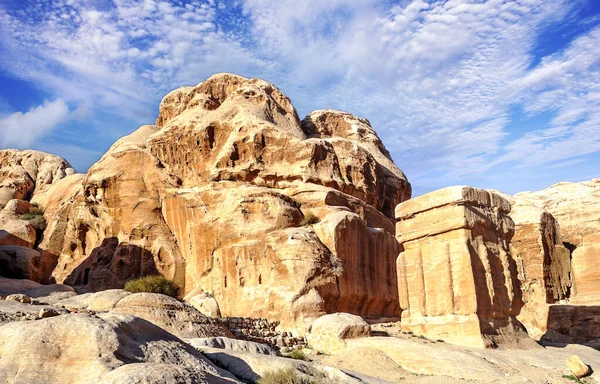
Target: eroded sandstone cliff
<point>232,195</point>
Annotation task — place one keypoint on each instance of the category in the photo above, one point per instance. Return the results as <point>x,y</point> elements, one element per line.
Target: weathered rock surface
<point>98,301</point>
<point>80,348</point>
<point>207,305</point>
<point>26,173</point>
<point>232,195</point>
<point>13,229</point>
<point>457,277</point>
<point>33,289</point>
<point>543,263</point>
<point>232,345</point>
<point>251,366</point>
<point>586,271</point>
<point>329,332</point>
<point>171,315</point>
<point>576,206</point>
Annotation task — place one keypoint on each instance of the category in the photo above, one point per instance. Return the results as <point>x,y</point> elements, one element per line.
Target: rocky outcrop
<point>586,271</point>
<point>13,229</point>
<point>457,277</point>
<point>328,333</point>
<point>576,206</point>
<point>543,261</point>
<point>171,315</point>
<point>83,348</point>
<point>24,174</point>
<point>231,195</point>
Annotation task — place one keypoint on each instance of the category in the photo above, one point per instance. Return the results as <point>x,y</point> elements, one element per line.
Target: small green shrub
<point>35,216</point>
<point>153,284</point>
<point>421,337</point>
<point>298,355</point>
<point>440,341</point>
<point>285,376</point>
<point>309,218</point>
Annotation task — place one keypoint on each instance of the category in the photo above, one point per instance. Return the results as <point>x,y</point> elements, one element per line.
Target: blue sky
<point>500,94</point>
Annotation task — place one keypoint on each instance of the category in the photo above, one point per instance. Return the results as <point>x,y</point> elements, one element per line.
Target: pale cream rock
<point>457,276</point>
<point>251,366</point>
<point>21,298</point>
<point>577,366</point>
<point>98,301</point>
<point>24,174</point>
<point>149,373</point>
<point>13,229</point>
<point>586,271</point>
<point>328,334</point>
<point>232,345</point>
<point>206,305</point>
<point>47,312</point>
<point>83,348</point>
<point>576,206</point>
<point>171,315</point>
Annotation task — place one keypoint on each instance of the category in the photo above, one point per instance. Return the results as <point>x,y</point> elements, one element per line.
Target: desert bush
<point>285,376</point>
<point>153,284</point>
<point>298,355</point>
<point>309,218</point>
<point>35,216</point>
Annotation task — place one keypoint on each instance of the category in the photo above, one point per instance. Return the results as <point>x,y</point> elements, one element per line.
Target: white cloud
<point>22,130</point>
<point>439,80</point>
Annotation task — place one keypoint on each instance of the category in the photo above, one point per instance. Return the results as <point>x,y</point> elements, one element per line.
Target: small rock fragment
<point>21,298</point>
<point>577,366</point>
<point>47,312</point>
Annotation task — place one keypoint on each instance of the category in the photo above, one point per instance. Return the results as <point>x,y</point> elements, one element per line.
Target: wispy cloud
<point>21,130</point>
<point>439,80</point>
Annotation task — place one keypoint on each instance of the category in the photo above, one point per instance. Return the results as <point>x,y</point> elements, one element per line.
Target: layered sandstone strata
<point>231,195</point>
<point>542,259</point>
<point>456,276</point>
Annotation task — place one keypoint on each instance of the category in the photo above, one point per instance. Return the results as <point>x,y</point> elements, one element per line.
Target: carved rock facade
<point>457,277</point>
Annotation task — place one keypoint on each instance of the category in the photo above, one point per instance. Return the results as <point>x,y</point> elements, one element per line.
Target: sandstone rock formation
<point>576,206</point>
<point>13,229</point>
<point>457,277</point>
<point>329,332</point>
<point>250,367</point>
<point>586,271</point>
<point>232,195</point>
<point>83,348</point>
<point>232,345</point>
<point>26,173</point>
<point>543,261</point>
<point>171,315</point>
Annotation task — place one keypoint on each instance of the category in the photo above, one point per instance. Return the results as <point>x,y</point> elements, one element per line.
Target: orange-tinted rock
<point>543,262</point>
<point>114,230</point>
<point>457,276</point>
<point>228,196</point>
